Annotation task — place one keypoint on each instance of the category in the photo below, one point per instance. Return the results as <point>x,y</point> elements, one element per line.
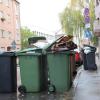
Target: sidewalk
<point>86,86</point>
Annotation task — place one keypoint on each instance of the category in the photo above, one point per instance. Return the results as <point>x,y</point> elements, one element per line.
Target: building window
<point>3,48</point>
<point>4,34</point>
<point>17,24</point>
<point>17,9</point>
<point>2,17</point>
<point>1,14</point>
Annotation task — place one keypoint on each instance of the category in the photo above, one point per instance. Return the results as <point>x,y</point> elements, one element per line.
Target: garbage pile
<point>64,43</point>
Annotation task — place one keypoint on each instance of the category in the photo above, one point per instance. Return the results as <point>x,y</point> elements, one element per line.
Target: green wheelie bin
<point>31,70</point>
<point>59,70</point>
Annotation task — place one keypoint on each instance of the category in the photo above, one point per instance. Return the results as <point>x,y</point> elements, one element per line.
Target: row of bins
<point>39,71</point>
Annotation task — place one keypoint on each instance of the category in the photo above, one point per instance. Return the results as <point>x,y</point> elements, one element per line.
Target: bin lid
<point>29,54</point>
<point>88,47</point>
<point>47,47</point>
<point>7,54</point>
<point>34,39</point>
<point>29,51</point>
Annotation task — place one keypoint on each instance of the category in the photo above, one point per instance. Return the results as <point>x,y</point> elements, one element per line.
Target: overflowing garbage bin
<point>8,77</point>
<point>32,67</point>
<point>88,53</point>
<point>61,63</point>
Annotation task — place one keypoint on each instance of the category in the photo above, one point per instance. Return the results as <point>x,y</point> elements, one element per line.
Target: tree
<point>25,34</point>
<point>66,21</point>
<point>92,16</point>
<point>72,19</point>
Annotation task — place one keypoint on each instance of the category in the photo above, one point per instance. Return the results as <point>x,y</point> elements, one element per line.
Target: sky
<point>41,14</point>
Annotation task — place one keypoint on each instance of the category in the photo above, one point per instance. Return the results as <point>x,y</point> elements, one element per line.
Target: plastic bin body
<point>91,64</point>
<point>84,61</point>
<point>59,70</point>
<point>8,77</point>
<point>89,59</point>
<point>72,65</point>
<point>31,70</point>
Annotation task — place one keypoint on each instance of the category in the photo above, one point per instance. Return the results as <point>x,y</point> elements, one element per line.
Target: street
<point>85,87</point>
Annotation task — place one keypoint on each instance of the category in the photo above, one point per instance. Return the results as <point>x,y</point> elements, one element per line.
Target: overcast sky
<point>41,14</point>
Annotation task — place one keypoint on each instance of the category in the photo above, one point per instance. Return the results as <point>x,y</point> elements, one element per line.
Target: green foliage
<point>92,14</point>
<point>66,21</point>
<point>25,34</point>
<point>92,17</point>
<point>72,19</point>
<point>95,41</point>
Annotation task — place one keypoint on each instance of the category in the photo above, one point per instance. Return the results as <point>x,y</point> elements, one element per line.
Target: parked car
<point>78,58</point>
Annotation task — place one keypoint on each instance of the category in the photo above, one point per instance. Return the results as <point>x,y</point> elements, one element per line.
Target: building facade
<point>97,17</point>
<point>97,9</point>
<point>10,25</point>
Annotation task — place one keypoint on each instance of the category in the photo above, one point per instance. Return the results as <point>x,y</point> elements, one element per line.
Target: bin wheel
<point>51,88</point>
<point>21,97</point>
<point>22,89</point>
